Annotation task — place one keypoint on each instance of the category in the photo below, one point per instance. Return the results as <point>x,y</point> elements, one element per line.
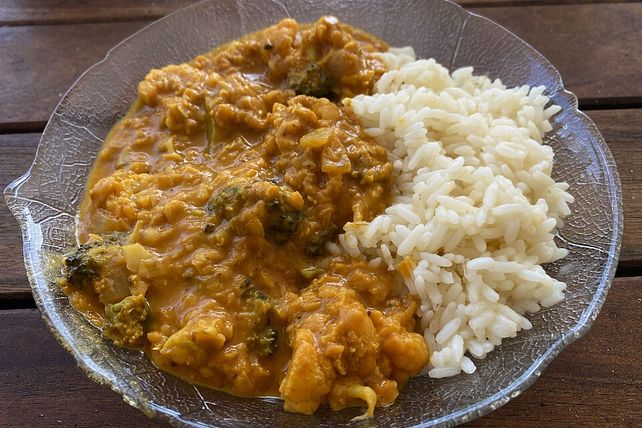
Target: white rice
<point>474,209</point>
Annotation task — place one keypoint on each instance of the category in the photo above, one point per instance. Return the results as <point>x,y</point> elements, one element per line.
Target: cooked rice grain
<point>475,208</point>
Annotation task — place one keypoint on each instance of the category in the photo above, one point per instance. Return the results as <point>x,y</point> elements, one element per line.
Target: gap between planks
<point>51,12</point>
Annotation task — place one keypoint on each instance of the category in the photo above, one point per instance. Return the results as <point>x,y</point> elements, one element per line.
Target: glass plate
<point>45,201</point>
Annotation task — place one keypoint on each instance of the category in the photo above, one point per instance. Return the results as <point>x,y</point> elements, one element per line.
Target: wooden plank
<point>622,130</point>
<point>35,12</point>
<point>12,297</point>
<point>595,46</point>
<point>16,154</point>
<point>39,63</point>
<point>18,12</point>
<point>44,385</point>
<point>597,380</point>
<point>508,3</point>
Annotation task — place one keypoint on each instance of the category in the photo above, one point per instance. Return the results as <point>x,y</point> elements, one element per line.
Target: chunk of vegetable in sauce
<point>124,321</point>
<point>282,221</point>
<point>265,342</point>
<point>312,81</point>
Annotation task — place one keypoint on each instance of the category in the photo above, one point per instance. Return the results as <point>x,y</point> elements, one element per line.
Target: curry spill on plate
<point>306,213</point>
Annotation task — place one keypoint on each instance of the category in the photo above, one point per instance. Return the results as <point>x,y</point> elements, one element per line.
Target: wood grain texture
<point>12,297</point>
<point>622,130</point>
<point>35,12</point>
<point>597,380</point>
<point>508,3</point>
<point>44,386</point>
<point>596,47</point>
<point>16,154</point>
<point>39,63</point>
<point>46,44</point>
<point>19,12</point>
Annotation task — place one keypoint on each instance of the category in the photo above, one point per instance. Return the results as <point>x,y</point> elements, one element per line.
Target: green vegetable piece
<point>124,321</point>
<point>281,229</point>
<point>282,221</point>
<point>81,268</point>
<point>311,272</point>
<point>265,342</point>
<point>316,245</point>
<point>226,202</point>
<point>252,293</point>
<point>245,284</point>
<point>313,81</point>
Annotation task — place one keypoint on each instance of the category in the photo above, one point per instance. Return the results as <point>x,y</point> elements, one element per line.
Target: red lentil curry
<point>207,216</point>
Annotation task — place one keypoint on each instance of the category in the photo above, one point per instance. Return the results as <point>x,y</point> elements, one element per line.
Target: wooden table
<point>597,47</point>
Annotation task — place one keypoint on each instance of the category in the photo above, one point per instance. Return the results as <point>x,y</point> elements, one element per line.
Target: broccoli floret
<point>283,227</point>
<point>124,321</point>
<point>226,202</point>
<point>81,268</point>
<point>254,297</point>
<point>264,339</point>
<point>317,242</point>
<point>312,81</point>
<point>99,266</point>
<point>252,293</point>
<point>83,265</point>
<point>282,221</point>
<point>265,342</point>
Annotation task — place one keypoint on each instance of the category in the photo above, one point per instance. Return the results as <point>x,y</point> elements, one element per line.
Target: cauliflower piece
<point>309,377</point>
<point>193,344</point>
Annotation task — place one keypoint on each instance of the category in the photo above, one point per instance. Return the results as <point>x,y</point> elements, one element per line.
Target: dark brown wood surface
<point>35,12</point>
<point>595,44</point>
<point>594,381</point>
<point>596,47</point>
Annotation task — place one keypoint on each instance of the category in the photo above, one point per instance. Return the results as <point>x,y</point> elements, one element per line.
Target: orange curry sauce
<point>208,215</point>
